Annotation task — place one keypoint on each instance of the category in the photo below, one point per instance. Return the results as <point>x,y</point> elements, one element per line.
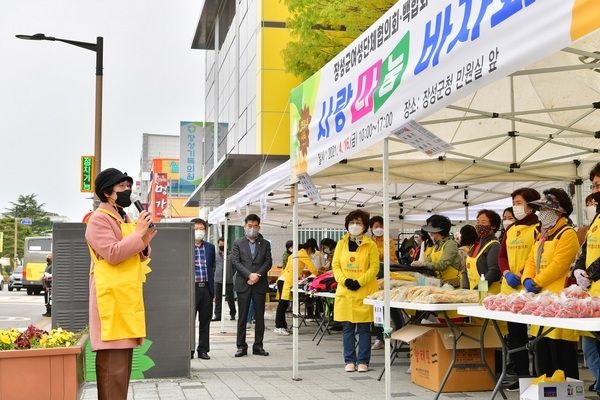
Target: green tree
<point>321,29</point>
<point>25,207</point>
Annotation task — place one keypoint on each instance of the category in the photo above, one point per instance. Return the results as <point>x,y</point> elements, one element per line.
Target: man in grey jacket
<point>251,258</point>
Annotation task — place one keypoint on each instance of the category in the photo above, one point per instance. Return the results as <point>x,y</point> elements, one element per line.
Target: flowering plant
<point>36,338</point>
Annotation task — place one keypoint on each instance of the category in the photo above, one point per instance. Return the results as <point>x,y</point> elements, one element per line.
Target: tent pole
<point>295,308</point>
<point>386,270</point>
<point>580,204</point>
<point>224,288</point>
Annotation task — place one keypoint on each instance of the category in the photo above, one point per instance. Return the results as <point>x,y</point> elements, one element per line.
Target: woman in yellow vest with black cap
<point>443,256</point>
<point>547,267</point>
<point>517,242</point>
<point>120,251</point>
<point>587,272</point>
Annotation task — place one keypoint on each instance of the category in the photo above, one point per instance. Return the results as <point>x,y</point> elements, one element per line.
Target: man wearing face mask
<point>204,283</point>
<point>587,273</point>
<point>546,268</point>
<point>251,258</point>
<point>219,283</point>
<point>517,242</point>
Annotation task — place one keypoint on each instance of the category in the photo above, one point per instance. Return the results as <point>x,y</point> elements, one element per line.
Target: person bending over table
<point>355,268</point>
<point>284,286</point>
<point>547,268</point>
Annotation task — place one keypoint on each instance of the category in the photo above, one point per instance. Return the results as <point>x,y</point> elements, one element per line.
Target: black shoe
<point>592,387</point>
<point>513,387</point>
<point>46,315</point>
<point>192,354</point>
<point>216,319</point>
<point>260,352</point>
<point>203,355</point>
<point>232,318</point>
<point>241,353</point>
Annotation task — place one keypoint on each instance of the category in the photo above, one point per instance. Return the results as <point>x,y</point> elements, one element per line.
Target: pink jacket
<point>103,234</point>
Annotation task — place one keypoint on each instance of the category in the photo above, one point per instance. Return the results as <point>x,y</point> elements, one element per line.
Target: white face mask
<point>199,234</point>
<point>548,218</point>
<point>590,213</point>
<point>355,229</point>
<point>378,232</point>
<point>519,212</point>
<point>326,250</point>
<point>506,223</point>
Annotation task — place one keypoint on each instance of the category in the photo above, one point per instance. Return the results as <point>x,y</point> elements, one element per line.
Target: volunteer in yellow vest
<point>355,267</point>
<point>376,225</point>
<point>517,242</point>
<point>443,258</point>
<point>482,258</point>
<point>284,286</point>
<point>120,252</point>
<point>587,272</point>
<point>546,268</point>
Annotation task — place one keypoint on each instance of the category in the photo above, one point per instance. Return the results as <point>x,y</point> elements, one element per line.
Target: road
<point>18,310</point>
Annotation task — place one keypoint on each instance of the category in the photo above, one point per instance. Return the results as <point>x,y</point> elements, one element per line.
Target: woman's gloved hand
<point>352,284</point>
<point>512,280</point>
<point>583,281</point>
<point>530,286</point>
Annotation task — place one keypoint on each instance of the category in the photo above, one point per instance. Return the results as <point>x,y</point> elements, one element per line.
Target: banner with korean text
<point>417,58</point>
<point>191,136</point>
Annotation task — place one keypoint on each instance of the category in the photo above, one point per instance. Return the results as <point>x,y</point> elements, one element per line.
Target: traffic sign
<point>26,221</point>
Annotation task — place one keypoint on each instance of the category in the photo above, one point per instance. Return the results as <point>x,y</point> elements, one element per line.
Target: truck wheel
<point>10,288</point>
<point>29,291</point>
<point>18,289</point>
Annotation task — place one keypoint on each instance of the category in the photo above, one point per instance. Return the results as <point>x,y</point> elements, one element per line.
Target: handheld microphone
<point>135,199</point>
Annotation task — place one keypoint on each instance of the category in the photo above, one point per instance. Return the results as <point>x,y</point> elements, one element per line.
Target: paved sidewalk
<point>321,373</point>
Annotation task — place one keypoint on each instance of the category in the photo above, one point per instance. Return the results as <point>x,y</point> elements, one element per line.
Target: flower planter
<point>44,374</point>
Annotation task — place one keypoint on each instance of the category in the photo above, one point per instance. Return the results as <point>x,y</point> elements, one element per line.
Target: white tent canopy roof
<point>538,127</point>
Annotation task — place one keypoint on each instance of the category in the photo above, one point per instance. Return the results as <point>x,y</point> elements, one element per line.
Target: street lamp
<point>97,47</point>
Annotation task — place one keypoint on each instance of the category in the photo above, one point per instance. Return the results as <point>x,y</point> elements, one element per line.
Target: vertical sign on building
<point>1,242</point>
<point>87,174</point>
<point>160,203</point>
<point>191,138</point>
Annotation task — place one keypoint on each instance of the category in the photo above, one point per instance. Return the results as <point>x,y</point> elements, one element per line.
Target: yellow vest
<point>450,273</point>
<point>119,292</point>
<point>520,239</point>
<point>592,249</point>
<point>474,275</point>
<point>555,287</point>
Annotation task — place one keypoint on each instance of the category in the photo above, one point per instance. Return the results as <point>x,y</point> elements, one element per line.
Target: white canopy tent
<point>536,128</point>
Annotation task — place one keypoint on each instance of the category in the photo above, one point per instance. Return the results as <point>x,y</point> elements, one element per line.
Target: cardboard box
<point>431,354</point>
<point>572,389</point>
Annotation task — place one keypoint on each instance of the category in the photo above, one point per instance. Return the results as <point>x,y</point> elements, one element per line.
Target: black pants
<point>517,337</point>
<point>553,354</point>
<point>282,306</point>
<point>228,298</point>
<point>259,318</point>
<point>204,309</point>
